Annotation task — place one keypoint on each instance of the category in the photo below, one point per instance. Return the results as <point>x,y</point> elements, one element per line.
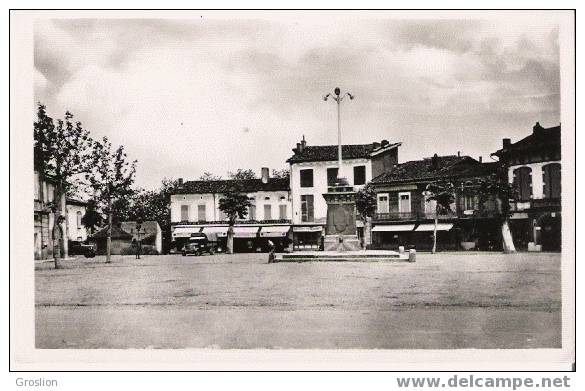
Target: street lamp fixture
<point>338,97</point>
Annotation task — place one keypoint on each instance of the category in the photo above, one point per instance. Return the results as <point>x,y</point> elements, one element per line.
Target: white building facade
<point>75,213</point>
<point>195,208</point>
<point>314,168</point>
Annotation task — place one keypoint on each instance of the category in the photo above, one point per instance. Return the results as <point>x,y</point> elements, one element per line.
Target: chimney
<point>265,174</point>
<point>458,153</point>
<point>180,180</point>
<point>480,159</point>
<point>303,143</point>
<point>537,128</point>
<point>506,142</point>
<point>435,162</point>
<point>297,150</point>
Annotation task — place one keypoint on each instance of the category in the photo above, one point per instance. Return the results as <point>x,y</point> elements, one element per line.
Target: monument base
<point>341,243</point>
<point>345,256</point>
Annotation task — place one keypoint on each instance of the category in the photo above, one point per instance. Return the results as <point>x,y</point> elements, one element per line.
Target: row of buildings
<point>291,212</point>
<point>51,238</point>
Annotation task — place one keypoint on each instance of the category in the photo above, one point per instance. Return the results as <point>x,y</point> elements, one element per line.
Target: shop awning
<point>185,231</point>
<point>215,232</point>
<point>393,228</point>
<point>245,232</point>
<point>431,227</point>
<point>278,231</point>
<point>312,228</point>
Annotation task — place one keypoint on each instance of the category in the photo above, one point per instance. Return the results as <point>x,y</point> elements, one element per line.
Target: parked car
<point>199,244</point>
<point>79,248</point>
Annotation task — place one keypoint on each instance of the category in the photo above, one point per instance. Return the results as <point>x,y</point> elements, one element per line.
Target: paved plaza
<point>443,301</point>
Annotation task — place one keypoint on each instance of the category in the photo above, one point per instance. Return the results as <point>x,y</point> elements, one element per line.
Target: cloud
<point>175,92</point>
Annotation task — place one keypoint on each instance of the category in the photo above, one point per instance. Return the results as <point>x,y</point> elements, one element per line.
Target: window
<point>359,175</point>
<point>201,216</point>
<point>332,176</point>
<point>268,212</point>
<point>79,216</point>
<point>404,202</point>
<point>307,211</point>
<point>282,212</point>
<point>383,203</point>
<point>523,182</point>
<point>470,202</point>
<point>551,179</point>
<point>184,212</point>
<point>252,212</point>
<point>307,178</point>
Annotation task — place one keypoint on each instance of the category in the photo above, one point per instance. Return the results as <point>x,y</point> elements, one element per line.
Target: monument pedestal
<point>341,231</point>
<point>341,243</point>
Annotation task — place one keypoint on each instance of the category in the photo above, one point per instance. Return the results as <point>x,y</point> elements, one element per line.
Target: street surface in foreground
<point>443,301</point>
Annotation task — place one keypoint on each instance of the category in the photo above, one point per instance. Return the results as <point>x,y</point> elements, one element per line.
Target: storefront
<point>307,237</point>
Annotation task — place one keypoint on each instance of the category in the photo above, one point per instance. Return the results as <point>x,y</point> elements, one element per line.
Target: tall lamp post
<point>338,98</point>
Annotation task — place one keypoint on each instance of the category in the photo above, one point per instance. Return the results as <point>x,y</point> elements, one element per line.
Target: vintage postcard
<point>311,190</point>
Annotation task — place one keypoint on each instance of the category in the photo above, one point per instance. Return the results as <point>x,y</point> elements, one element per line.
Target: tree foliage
<point>234,204</point>
<point>61,150</point>
<point>112,176</point>
<point>92,219</point>
<point>281,174</point>
<point>365,201</point>
<point>209,176</point>
<point>443,193</point>
<point>241,174</point>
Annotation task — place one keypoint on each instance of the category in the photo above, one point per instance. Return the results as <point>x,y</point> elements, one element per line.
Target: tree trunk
<point>63,204</point>
<point>57,232</point>
<point>367,231</point>
<point>435,232</point>
<point>230,240</point>
<point>507,240</point>
<point>109,238</point>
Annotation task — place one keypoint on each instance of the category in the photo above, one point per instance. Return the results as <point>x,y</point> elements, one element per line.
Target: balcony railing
<point>239,222</point>
<point>421,215</point>
<point>546,203</point>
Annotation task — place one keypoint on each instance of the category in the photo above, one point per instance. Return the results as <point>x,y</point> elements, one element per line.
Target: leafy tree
<point>92,218</point>
<point>284,173</point>
<point>365,203</point>
<point>60,152</point>
<point>497,185</point>
<point>242,174</point>
<point>111,181</point>
<point>234,204</point>
<point>443,193</point>
<point>209,176</point>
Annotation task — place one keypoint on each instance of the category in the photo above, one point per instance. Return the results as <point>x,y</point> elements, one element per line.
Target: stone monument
<point>341,231</point>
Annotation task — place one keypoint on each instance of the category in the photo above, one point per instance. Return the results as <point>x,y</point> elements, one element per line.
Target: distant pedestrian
<point>271,248</point>
<point>138,248</point>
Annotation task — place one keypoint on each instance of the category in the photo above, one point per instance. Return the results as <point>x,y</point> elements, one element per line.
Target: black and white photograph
<point>286,181</point>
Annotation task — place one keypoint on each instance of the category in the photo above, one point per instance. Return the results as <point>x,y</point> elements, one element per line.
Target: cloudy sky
<point>210,94</point>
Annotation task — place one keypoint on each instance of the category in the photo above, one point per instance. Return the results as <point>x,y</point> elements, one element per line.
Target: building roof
<point>541,138</point>
<point>319,153</point>
<point>74,201</point>
<point>245,185</point>
<point>117,233</point>
<point>451,166</point>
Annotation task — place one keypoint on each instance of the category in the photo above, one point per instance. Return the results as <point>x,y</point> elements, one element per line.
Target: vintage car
<point>79,248</point>
<point>199,244</point>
